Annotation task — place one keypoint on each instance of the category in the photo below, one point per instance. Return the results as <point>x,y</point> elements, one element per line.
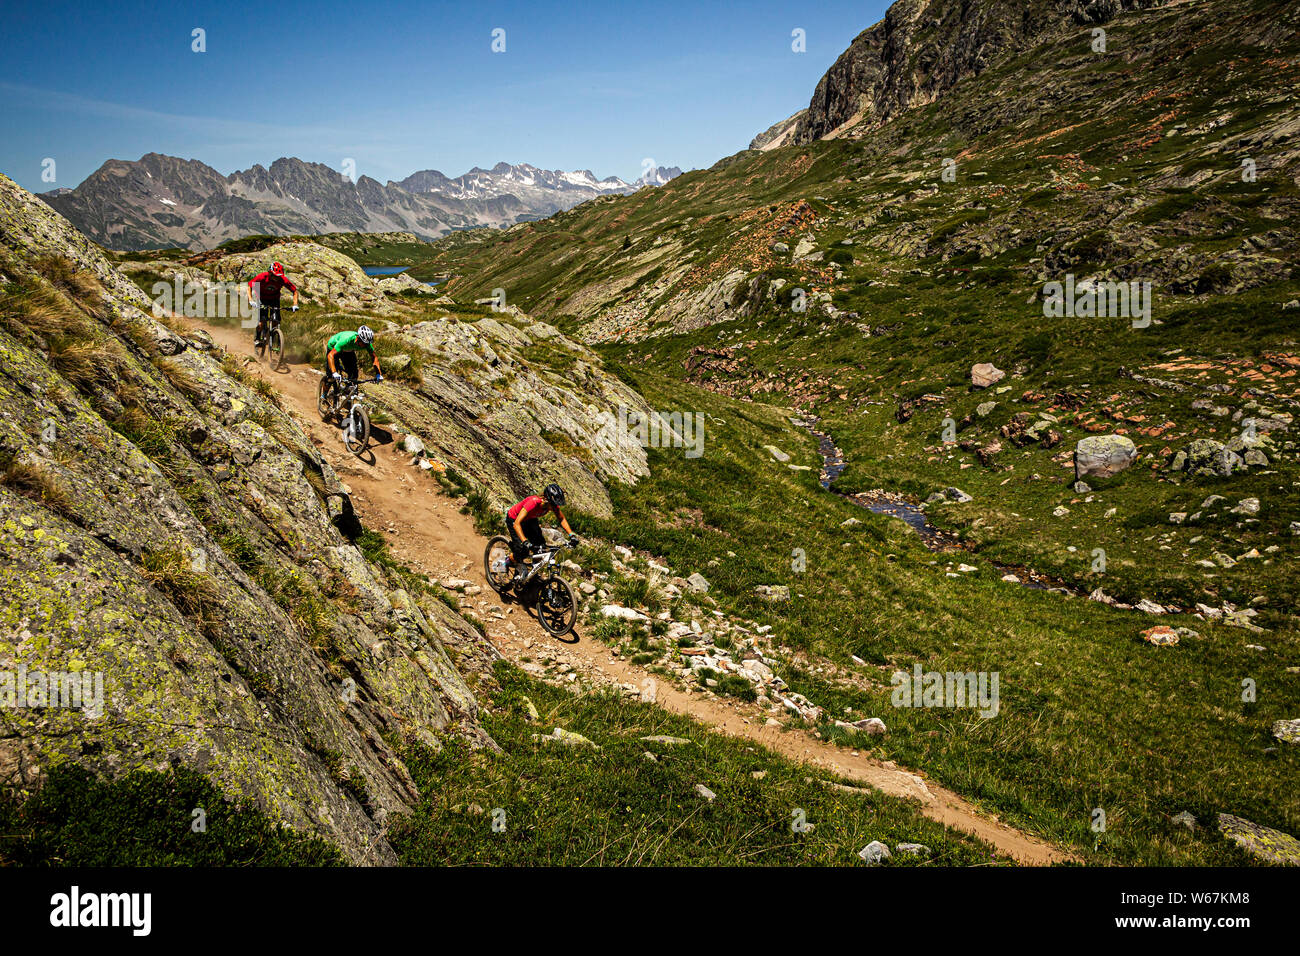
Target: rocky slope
<point>166,525</point>
<point>161,201</point>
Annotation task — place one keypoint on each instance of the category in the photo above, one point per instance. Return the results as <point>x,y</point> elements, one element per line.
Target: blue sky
<point>399,87</point>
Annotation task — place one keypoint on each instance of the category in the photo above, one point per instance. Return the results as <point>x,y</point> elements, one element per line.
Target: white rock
<point>874,853</point>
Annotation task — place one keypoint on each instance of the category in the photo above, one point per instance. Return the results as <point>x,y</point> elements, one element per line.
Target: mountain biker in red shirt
<point>264,291</point>
<point>526,531</point>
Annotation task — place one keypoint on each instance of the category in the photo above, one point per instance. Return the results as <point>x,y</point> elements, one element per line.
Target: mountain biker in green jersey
<point>341,352</point>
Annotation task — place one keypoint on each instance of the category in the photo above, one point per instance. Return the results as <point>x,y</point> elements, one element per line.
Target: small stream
<point>905,509</point>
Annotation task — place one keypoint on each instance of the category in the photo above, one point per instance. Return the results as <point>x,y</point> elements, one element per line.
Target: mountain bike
<point>550,594</point>
<point>272,341</point>
<point>348,408</point>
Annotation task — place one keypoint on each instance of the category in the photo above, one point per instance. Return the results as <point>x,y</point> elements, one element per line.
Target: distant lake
<point>390,271</point>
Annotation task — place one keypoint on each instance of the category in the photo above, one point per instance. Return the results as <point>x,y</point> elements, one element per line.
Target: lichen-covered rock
<point>1207,458</point>
<point>168,530</point>
<point>493,406</point>
<point>1103,456</point>
<point>1265,843</point>
<point>322,275</point>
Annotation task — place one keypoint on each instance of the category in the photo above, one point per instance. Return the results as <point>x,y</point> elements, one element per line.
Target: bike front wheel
<point>556,610</point>
<point>324,400</point>
<point>275,347</point>
<point>357,434</point>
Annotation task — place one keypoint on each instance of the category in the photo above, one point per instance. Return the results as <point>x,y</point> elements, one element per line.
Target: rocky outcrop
<point>924,47</point>
<point>322,275</point>
<point>169,530</point>
<point>1207,458</point>
<point>515,404</point>
<point>778,134</point>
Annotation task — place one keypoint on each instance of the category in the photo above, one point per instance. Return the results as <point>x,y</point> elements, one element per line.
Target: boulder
<point>1287,731</point>
<point>1103,456</point>
<point>874,853</point>
<point>1207,458</point>
<point>565,738</point>
<point>955,495</point>
<point>1161,636</point>
<point>622,613</point>
<point>1261,842</point>
<point>985,374</point>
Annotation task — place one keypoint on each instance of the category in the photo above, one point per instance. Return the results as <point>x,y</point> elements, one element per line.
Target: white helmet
<point>365,335</point>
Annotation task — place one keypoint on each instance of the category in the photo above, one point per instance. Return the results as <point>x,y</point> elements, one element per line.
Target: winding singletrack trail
<point>426,530</point>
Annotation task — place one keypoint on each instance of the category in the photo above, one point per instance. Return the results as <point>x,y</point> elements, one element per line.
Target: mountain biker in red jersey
<point>264,291</point>
<point>526,532</point>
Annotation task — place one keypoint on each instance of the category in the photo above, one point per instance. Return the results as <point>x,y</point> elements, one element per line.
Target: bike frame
<point>270,318</point>
<point>541,561</point>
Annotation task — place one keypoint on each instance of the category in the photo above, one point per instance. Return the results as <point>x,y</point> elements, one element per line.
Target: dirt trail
<point>427,531</point>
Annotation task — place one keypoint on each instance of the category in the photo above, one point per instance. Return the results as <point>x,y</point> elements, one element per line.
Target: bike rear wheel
<point>357,434</point>
<point>496,564</point>
<point>556,610</point>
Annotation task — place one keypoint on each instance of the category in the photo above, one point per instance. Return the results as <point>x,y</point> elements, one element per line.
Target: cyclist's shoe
<point>520,573</point>
<point>573,540</point>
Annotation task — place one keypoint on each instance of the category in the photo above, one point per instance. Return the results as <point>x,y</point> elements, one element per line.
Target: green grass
<point>146,818</point>
<point>614,807</point>
<point>1090,716</point>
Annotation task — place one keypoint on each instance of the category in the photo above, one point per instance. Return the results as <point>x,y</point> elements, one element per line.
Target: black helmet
<point>554,494</point>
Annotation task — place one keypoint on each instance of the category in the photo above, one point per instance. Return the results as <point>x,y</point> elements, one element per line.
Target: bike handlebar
<point>554,547</point>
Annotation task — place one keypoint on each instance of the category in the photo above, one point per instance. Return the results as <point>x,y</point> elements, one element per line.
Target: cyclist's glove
<point>338,377</point>
<point>379,377</point>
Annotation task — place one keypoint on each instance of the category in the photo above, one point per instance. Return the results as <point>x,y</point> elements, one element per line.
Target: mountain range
<point>162,201</point>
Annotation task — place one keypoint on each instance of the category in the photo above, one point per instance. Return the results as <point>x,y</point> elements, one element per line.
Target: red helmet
<point>277,269</point>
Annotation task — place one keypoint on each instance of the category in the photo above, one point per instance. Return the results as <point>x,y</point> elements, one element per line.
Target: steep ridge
<point>924,47</point>
<point>165,524</point>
